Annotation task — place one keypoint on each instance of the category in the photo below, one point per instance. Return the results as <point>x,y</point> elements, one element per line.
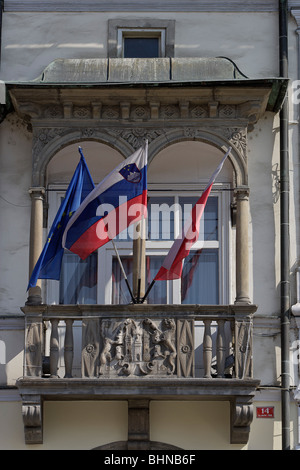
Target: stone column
<point>36,240</point>
<point>242,249</point>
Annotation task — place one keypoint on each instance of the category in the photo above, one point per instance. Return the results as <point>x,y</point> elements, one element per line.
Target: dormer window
<point>141,38</point>
<point>141,43</point>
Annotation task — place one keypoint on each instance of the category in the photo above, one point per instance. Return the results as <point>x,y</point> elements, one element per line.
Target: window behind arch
<point>205,275</point>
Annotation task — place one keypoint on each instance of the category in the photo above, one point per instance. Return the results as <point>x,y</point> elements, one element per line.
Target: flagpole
<point>148,291</point>
<point>141,252</point>
<point>124,273</point>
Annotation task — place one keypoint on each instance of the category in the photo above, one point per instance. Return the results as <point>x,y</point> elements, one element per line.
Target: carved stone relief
<point>129,348</point>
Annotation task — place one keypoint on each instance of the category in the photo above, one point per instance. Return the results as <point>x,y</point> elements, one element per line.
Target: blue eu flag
<point>49,263</point>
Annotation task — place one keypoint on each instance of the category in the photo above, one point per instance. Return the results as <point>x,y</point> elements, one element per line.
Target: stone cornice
<point>86,105</point>
<point>141,5</point>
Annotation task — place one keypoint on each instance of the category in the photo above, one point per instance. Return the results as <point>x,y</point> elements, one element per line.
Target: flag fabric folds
<point>172,265</point>
<point>115,203</point>
<point>49,263</point>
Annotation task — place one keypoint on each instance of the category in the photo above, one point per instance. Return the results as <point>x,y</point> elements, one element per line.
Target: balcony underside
<point>138,392</point>
<point>135,388</point>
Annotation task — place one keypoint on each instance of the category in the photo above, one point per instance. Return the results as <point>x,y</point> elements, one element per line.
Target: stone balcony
<point>138,353</point>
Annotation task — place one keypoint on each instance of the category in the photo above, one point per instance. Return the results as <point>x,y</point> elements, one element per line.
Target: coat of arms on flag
<point>131,173</point>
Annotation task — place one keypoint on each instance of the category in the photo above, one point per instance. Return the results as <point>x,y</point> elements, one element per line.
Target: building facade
<point>210,361</point>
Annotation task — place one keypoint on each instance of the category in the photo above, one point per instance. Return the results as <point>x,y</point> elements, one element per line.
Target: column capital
<point>37,191</point>
<point>242,192</point>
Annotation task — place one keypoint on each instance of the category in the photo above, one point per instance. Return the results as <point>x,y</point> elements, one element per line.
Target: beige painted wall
<point>189,425</point>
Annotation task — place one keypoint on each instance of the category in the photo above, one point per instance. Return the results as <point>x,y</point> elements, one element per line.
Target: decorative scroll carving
<point>238,138</point>
<point>33,419</point>
<point>33,352</point>
<point>185,341</point>
<point>137,348</point>
<point>137,136</point>
<point>235,135</point>
<point>42,136</point>
<point>244,349</point>
<point>241,419</point>
<point>90,347</point>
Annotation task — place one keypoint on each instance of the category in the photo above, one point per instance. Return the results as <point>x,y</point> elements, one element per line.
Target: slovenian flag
<point>172,265</point>
<point>117,202</point>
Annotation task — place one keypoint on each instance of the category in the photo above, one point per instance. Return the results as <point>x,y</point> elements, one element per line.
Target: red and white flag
<point>172,265</point>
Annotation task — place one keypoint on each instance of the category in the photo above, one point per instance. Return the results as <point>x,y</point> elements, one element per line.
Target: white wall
<point>15,209</point>
<point>30,41</point>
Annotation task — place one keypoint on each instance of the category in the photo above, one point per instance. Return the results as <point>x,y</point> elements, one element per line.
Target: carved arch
<point>48,141</point>
<point>220,138</point>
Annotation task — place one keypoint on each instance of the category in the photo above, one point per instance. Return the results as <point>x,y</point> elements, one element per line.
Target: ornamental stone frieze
<point>143,112</point>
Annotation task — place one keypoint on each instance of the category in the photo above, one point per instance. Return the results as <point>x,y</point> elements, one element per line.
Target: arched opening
<point>176,177</point>
<point>188,162</point>
<point>100,158</point>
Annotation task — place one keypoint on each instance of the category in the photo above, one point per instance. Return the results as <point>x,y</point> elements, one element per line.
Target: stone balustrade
<point>140,340</point>
<point>138,353</point>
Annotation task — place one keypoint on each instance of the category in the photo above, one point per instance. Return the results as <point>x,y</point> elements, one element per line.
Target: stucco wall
<point>30,41</point>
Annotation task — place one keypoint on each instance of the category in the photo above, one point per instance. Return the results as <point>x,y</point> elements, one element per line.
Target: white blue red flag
<point>173,262</point>
<point>117,202</point>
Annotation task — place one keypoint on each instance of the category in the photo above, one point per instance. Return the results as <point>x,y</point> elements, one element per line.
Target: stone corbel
<point>184,109</point>
<point>213,109</point>
<point>138,425</point>
<point>154,109</point>
<point>250,110</point>
<point>32,412</point>
<point>96,110</point>
<point>125,109</point>
<point>68,109</point>
<point>241,416</point>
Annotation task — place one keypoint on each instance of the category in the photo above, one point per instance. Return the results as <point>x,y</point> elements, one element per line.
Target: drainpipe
<point>284,233</point>
<point>1,14</point>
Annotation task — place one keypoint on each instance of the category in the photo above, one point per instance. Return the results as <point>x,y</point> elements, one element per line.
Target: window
<point>141,43</point>
<point>141,47</point>
<point>141,38</point>
<point>205,276</point>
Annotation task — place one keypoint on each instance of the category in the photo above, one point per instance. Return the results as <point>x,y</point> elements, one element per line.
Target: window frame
<point>161,248</point>
<point>158,33</point>
<point>116,28</point>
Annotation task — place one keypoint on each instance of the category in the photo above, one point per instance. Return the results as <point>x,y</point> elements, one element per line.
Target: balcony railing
<point>139,340</point>
<point>137,351</point>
